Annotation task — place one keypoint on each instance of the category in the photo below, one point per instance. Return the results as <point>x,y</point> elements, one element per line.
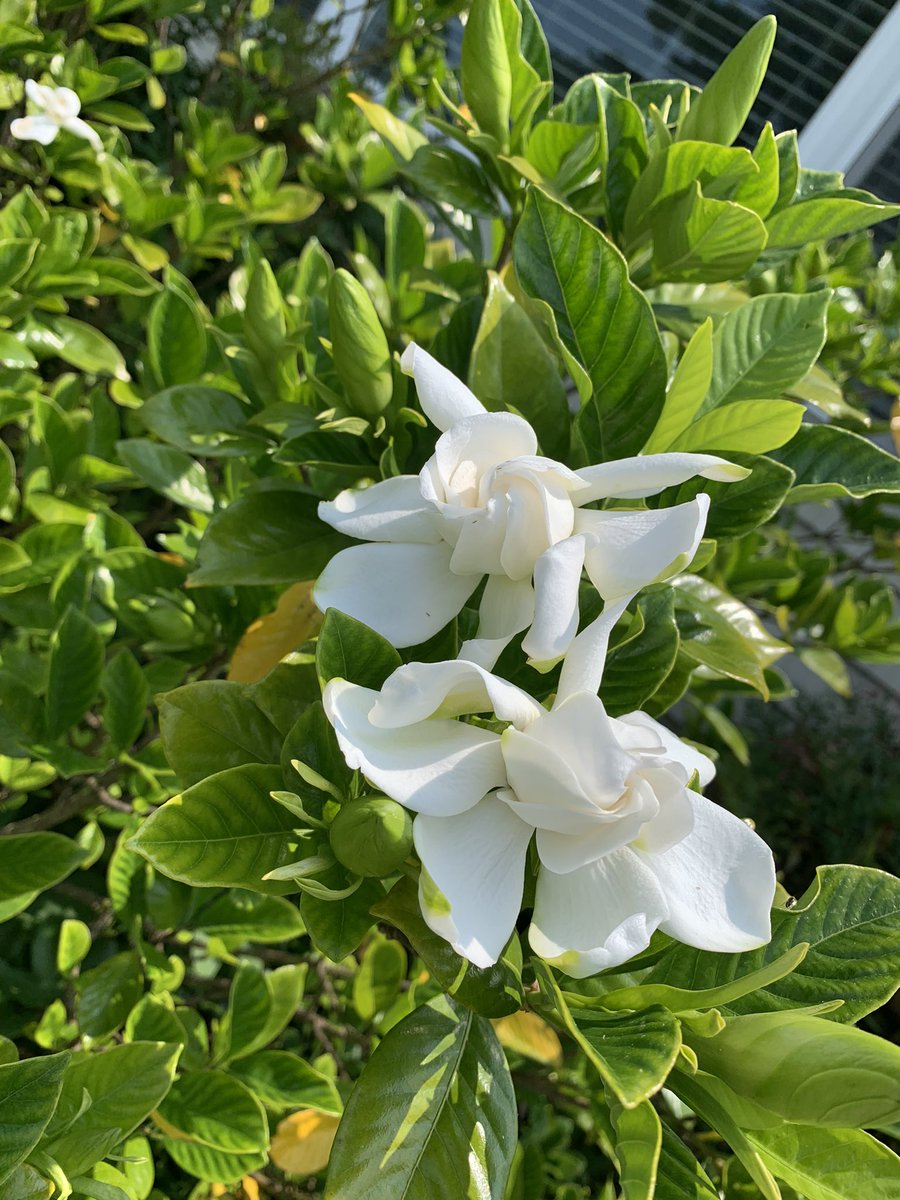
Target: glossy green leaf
<point>851,919</point>
<point>485,70</point>
<point>719,113</point>
<point>75,669</point>
<point>700,240</point>
<point>213,1166</point>
<point>337,927</point>
<point>826,216</point>
<point>362,356</point>
<point>747,426</point>
<point>216,1110</point>
<point>86,347</point>
<point>376,984</point>
<point>282,1080</point>
<point>679,1176</point>
<point>636,667</point>
<point>741,506</point>
<point>107,993</point>
<point>212,725</point>
<point>31,862</point>
<point>201,420</point>
<point>226,831</point>
<point>176,338</point>
<point>603,320</point>
<point>686,392</point>
<point>433,1113</point>
<point>238,917</point>
<point>348,649</point>
<point>170,472</point>
<point>29,1091</point>
<point>74,943</point>
<point>405,138</point>
<point>511,368</point>
<point>492,991</point>
<point>829,1164</point>
<point>830,462</point>
<point>765,346</point>
<point>125,1083</point>
<point>260,1004</point>
<point>127,694</point>
<point>638,1144</point>
<point>266,537</point>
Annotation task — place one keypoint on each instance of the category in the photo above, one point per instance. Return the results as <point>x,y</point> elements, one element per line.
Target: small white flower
<point>625,845</point>
<point>486,504</point>
<point>58,109</point>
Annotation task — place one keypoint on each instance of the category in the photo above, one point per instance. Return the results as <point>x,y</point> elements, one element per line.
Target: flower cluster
<point>624,843</point>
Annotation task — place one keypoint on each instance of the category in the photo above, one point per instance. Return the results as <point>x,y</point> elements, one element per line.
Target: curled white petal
<point>419,691</point>
<point>672,747</point>
<point>507,607</point>
<point>441,767</point>
<point>474,870</point>
<point>598,916</point>
<point>391,511</point>
<point>79,128</point>
<point>444,398</point>
<point>647,475</point>
<point>405,591</point>
<point>557,576</point>
<point>719,882</point>
<point>34,129</point>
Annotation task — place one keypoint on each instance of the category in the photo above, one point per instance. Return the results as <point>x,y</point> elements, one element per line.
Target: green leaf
<point>405,139</point>
<point>700,240</point>
<point>485,71</point>
<point>446,176</point>
<point>74,943</point>
<point>719,113</point>
<point>214,724</point>
<point>337,927</point>
<point>124,1083</point>
<point>829,1164</point>
<point>765,346</point>
<point>213,1166</point>
<point>31,862</point>
<point>29,1091</point>
<point>819,216</point>
<point>201,420</point>
<point>433,1113</point>
<point>14,354</point>
<point>829,666</point>
<point>348,649</point>
<point>226,831</point>
<point>127,695</point>
<point>512,369</point>
<point>638,1144</point>
<point>739,507</point>
<point>86,348</point>
<point>282,1080</point>
<point>679,1176</point>
<point>633,1053</point>
<point>807,1070</point>
<point>376,984</point>
<point>266,537</point>
<point>362,357</point>
<point>26,1184</point>
<point>747,427</point>
<point>107,993</point>
<point>176,338</point>
<point>602,318</point>
<point>75,669</point>
<point>172,473</point>
<point>851,919</point>
<point>260,1005</point>
<point>16,256</point>
<point>830,462</point>
<point>238,917</point>
<point>636,667</point>
<point>687,390</point>
<point>216,1110</point>
<point>494,991</point>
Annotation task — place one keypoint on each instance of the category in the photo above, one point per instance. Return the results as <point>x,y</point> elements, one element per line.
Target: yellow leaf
<point>528,1034</point>
<point>268,640</point>
<point>895,423</point>
<point>302,1142</point>
<point>248,1189</point>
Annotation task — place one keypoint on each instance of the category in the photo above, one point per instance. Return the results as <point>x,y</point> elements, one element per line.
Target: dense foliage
<point>200,338</point>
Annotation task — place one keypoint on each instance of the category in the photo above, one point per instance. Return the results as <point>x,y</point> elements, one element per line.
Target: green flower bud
<point>362,356</point>
<point>372,835</point>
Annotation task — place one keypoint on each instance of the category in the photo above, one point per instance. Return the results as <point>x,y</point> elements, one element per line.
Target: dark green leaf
<point>76,666</point>
<point>337,927</point>
<point>283,1080</point>
<point>31,862</point>
<point>29,1091</point>
<point>176,338</point>
<point>348,649</point>
<point>107,993</point>
<point>830,462</point>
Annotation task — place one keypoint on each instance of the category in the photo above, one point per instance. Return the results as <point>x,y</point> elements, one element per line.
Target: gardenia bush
<point>370,499</point>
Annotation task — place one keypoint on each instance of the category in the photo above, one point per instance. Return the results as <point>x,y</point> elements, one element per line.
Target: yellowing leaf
<point>268,640</point>
<point>302,1142</point>
<point>247,1189</point>
<point>526,1033</point>
<point>895,423</point>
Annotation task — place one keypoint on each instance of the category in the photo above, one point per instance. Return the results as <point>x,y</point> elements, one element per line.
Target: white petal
<point>477,536</point>
<point>391,511</point>
<point>81,129</point>
<point>585,659</point>
<point>34,129</point>
<point>675,818</point>
<point>438,767</point>
<point>418,691</point>
<point>472,447</point>
<point>63,103</point>
<point>444,398</point>
<point>626,551</point>
<point>719,882</point>
<point>404,591</point>
<point>673,747</point>
<point>557,575</point>
<point>646,475</point>
<point>36,92</point>
<point>565,852</point>
<point>507,607</point>
<point>477,861</point>
<point>598,916</point>
<point>536,520</point>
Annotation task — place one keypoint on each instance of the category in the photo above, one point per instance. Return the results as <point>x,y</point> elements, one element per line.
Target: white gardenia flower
<point>625,845</point>
<point>58,108</point>
<point>487,504</point>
